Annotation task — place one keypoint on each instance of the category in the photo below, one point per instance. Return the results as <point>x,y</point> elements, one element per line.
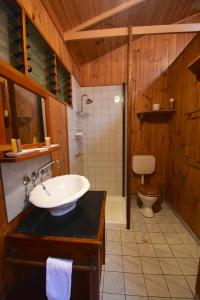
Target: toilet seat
<point>148,190</point>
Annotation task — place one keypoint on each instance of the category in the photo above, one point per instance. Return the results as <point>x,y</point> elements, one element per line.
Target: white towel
<point>58,278</point>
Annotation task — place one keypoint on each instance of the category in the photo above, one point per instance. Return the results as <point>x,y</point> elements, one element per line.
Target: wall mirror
<point>23,113</point>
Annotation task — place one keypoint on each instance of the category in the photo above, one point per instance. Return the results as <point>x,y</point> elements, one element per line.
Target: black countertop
<point>81,222</point>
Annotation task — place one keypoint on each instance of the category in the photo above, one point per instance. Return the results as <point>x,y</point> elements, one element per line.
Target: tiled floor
<point>156,259</point>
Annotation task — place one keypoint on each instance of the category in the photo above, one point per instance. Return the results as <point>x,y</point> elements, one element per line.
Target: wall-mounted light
<point>117,99</point>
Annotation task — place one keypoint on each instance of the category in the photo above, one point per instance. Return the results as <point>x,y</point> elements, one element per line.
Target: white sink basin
<point>59,194</point>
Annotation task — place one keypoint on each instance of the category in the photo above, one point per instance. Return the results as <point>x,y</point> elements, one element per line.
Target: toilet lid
<point>148,189</point>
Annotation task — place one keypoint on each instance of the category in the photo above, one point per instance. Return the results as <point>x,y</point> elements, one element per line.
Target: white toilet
<point>148,194</point>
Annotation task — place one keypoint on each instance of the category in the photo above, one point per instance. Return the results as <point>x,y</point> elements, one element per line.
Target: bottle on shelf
<point>171,103</point>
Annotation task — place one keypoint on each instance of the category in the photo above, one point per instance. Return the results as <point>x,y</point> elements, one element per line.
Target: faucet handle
<point>34,177</point>
<point>58,162</point>
<point>26,180</point>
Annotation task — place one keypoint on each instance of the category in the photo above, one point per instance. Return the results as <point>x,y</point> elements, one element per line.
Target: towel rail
<point>43,264</point>
<point>93,293</point>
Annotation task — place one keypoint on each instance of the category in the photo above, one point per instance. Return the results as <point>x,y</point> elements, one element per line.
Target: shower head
<point>88,100</point>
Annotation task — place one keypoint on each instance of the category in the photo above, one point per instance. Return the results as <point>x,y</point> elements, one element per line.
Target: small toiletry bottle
<point>19,145</point>
<point>171,103</point>
<point>47,141</point>
<point>6,118</point>
<point>14,145</point>
<point>35,140</point>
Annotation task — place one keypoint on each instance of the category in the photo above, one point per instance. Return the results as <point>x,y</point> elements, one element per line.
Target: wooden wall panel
<point>152,56</point>
<point>37,13</point>
<point>182,179</point>
<point>109,69</point>
<point>56,113</point>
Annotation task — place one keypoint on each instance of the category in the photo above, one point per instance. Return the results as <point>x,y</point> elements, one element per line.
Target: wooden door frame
<point>2,123</point>
<point>129,117</point>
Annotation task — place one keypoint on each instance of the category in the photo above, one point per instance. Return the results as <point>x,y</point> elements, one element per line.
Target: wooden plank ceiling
<point>71,13</point>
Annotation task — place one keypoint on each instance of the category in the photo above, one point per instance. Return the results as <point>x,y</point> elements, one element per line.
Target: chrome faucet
<point>41,170</point>
<point>36,175</point>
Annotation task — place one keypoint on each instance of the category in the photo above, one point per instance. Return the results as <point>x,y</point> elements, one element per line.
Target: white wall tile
<point>76,146</point>
<point>14,191</point>
<point>102,146</point>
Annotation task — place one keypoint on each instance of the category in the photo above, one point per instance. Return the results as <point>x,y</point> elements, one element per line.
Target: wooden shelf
<point>155,113</point>
<point>26,156</point>
<point>194,67</point>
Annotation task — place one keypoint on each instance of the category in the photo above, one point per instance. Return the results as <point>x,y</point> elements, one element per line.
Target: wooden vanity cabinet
<point>28,252</point>
<point>56,117</point>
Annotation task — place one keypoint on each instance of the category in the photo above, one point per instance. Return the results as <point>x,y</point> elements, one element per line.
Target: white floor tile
<point>134,284</point>
<point>178,286</point>
<point>169,266</point>
<point>136,298</point>
<point>139,227</point>
<point>150,265</point>
<point>136,259</point>
<point>156,286</point>
<point>191,280</point>
<point>179,228</point>
<point>186,238</point>
<point>174,220</point>
<point>157,238</point>
<point>113,283</point>
<point>160,298</point>
<point>153,227</point>
<point>113,235</point>
<point>196,259</point>
<point>173,239</point>
<point>181,298</point>
<point>128,236</point>
<point>180,251</point>
<point>163,250</point>
<point>142,237</point>
<point>150,220</point>
<point>113,248</point>
<point>162,219</point>
<point>146,250</point>
<point>114,263</point>
<point>132,264</point>
<point>139,218</point>
<point>130,249</point>
<point>167,228</point>
<point>194,250</point>
<point>188,266</point>
<point>113,297</point>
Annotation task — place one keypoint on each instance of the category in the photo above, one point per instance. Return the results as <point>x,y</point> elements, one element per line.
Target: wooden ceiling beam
<point>99,33</point>
<point>107,14</point>
<point>53,17</point>
<point>139,30</point>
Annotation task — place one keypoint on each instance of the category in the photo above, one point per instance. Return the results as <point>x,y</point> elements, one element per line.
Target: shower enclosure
<point>103,145</point>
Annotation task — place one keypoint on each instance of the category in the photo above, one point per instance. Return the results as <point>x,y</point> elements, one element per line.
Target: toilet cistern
<point>143,165</point>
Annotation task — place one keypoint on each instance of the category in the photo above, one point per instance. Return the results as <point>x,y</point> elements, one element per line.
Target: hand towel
<point>58,278</point>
